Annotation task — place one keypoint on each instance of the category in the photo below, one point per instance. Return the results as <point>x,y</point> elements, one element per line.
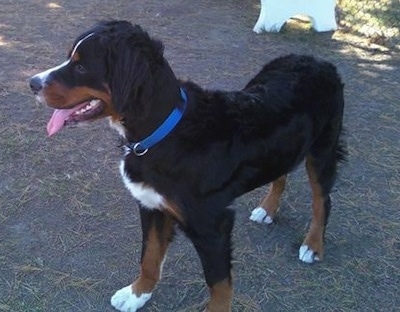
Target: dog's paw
<point>307,255</point>
<point>125,300</point>
<point>259,215</point>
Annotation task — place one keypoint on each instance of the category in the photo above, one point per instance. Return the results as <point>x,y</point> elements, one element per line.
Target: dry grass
<point>377,20</point>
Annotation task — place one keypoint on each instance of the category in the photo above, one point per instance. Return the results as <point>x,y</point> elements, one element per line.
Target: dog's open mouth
<point>82,112</point>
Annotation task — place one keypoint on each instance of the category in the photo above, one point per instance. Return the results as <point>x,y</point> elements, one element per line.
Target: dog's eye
<point>80,69</point>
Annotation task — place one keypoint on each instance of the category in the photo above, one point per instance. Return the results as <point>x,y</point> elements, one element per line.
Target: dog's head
<point>108,72</point>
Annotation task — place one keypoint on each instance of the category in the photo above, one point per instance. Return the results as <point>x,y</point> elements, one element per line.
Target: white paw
<point>125,300</point>
<point>307,255</point>
<point>260,215</point>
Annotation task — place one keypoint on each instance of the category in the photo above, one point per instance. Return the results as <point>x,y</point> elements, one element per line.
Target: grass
<point>377,20</point>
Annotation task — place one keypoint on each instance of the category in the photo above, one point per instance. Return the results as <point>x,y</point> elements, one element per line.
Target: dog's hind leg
<point>321,174</point>
<point>157,227</point>
<point>213,244</point>
<point>270,204</point>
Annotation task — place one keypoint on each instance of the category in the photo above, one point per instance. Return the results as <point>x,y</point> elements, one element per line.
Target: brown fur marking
<point>153,257</point>
<point>221,297</point>
<point>271,202</point>
<point>314,238</point>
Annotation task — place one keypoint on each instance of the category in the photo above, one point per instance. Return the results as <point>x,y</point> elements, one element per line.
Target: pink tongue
<point>58,119</point>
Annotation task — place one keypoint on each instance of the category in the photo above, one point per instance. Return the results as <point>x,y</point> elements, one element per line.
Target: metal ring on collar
<point>138,151</point>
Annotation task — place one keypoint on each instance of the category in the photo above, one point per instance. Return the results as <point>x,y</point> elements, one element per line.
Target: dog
<point>190,152</point>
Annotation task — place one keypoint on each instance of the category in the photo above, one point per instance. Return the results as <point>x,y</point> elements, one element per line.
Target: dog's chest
<point>146,195</point>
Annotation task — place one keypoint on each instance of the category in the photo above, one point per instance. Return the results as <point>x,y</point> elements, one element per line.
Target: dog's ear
<point>132,65</point>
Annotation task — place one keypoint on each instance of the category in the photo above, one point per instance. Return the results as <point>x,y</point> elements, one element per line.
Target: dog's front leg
<point>157,227</point>
<point>213,244</point>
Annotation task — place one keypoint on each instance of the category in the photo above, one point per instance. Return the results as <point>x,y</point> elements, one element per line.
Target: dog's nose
<point>36,84</point>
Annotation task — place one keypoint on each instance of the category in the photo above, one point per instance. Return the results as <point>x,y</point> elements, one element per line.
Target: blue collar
<point>140,148</point>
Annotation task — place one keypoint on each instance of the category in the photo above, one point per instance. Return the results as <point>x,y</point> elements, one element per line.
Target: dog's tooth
<point>93,102</point>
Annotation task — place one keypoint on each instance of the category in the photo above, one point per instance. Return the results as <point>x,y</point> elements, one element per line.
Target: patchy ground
<point>69,232</point>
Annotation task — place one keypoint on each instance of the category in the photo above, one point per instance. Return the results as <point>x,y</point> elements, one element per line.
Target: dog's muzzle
<point>36,84</point>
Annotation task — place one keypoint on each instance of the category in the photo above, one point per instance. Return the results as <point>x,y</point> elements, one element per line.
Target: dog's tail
<point>341,147</point>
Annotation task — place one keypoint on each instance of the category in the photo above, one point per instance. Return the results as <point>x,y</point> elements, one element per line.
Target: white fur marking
<point>43,75</point>
<point>259,215</point>
<point>162,265</point>
<point>116,125</point>
<point>79,43</point>
<point>147,196</point>
<point>125,300</point>
<point>307,255</point>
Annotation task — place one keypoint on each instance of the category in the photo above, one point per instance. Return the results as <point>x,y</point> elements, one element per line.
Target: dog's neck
<point>165,98</point>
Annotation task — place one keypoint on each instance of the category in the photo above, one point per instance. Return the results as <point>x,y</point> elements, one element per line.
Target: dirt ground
<point>69,231</point>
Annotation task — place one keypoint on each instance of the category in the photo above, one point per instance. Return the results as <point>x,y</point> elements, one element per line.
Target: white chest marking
<point>116,125</point>
<point>146,195</point>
